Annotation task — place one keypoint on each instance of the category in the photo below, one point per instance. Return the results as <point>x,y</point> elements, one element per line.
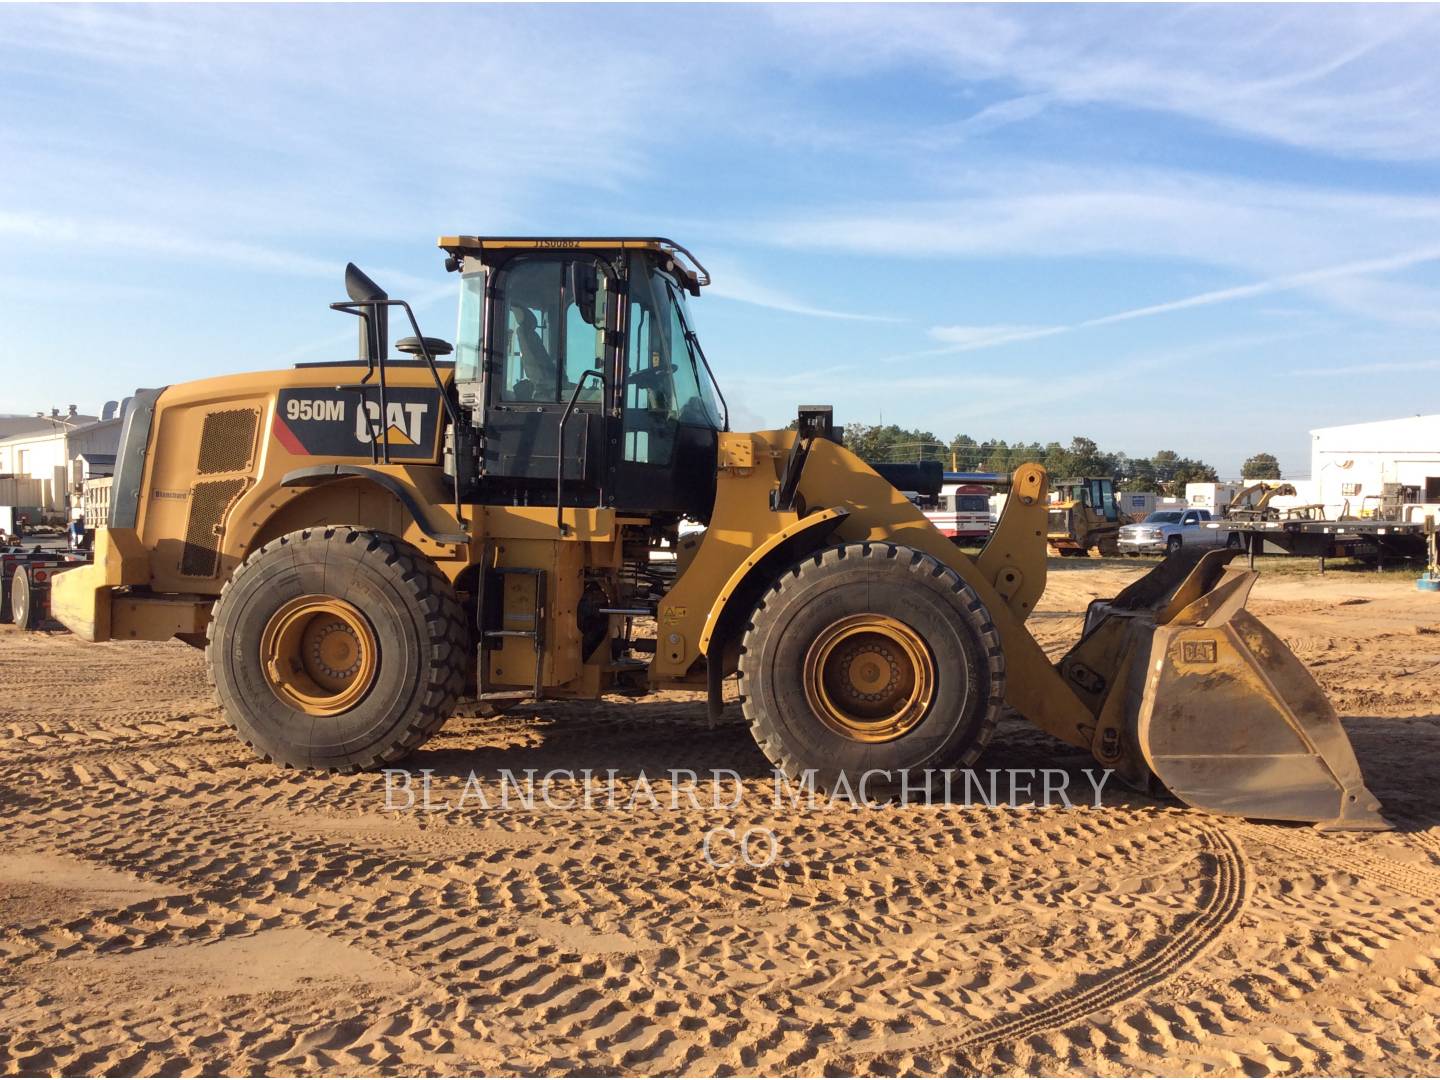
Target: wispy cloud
<point>1356,81</point>
<point>974,337</point>
<point>1361,267</point>
<point>1001,174</point>
<point>968,339</point>
<point>111,237</point>
<point>1011,208</point>
<point>731,284</point>
<point>807,377</point>
<point>1377,367</point>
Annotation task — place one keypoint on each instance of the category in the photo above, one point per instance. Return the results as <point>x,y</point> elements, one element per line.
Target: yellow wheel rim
<point>319,655</point>
<point>869,678</point>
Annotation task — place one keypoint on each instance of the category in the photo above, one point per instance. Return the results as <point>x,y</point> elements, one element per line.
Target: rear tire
<point>1233,542</point>
<point>337,648</point>
<point>870,656</point>
<point>22,600</point>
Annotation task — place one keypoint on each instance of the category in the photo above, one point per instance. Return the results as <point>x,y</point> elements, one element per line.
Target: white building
<point>48,455</point>
<point>1355,466</point>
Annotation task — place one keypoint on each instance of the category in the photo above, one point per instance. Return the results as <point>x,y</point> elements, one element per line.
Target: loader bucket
<point>1206,699</point>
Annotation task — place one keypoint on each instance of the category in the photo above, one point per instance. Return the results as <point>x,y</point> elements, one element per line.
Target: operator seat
<point>537,366</point>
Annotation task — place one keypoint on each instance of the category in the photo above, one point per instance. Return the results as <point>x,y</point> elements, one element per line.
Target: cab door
<point>547,341</point>
<point>1102,498</point>
<point>668,414</point>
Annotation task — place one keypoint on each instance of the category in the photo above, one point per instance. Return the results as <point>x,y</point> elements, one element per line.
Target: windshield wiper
<point>693,346</point>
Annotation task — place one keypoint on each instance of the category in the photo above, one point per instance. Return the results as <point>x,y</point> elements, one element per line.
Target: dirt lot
<point>169,905</point>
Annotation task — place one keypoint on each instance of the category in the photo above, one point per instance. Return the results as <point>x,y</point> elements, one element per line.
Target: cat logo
<point>348,422</point>
<point>404,422</point>
<point>1198,652</point>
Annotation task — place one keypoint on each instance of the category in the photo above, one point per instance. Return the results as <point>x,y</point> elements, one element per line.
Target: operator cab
<point>1096,492</point>
<point>583,351</point>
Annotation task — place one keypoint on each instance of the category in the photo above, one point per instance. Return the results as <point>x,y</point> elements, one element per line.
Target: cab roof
<point>683,262</point>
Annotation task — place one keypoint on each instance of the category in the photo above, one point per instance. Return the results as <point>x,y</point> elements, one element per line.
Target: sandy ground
<point>168,905</point>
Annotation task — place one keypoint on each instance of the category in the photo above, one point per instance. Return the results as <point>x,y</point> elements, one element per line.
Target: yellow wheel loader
<point>1084,518</point>
<point>359,545</point>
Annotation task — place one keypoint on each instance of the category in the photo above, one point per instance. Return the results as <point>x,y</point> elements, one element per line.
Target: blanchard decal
<point>328,422</point>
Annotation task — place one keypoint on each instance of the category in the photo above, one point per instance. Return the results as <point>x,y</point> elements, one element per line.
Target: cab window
<point>468,332</point>
<point>1103,498</point>
<point>667,384</point>
<point>553,312</point>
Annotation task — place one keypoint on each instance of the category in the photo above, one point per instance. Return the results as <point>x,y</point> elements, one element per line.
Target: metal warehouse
<point>1356,469</point>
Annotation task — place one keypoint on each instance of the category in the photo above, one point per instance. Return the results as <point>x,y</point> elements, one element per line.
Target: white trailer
<point>1208,496</point>
<point>1137,505</point>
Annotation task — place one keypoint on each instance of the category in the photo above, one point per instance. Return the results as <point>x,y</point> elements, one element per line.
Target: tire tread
<point>445,625</point>
<point>918,563</point>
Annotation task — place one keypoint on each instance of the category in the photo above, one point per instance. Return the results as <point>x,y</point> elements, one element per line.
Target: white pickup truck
<point>1165,531</point>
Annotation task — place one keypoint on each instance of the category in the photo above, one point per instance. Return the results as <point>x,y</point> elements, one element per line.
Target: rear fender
<point>394,500</point>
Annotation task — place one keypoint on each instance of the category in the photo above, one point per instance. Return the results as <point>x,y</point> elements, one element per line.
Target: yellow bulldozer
<point>360,545</point>
<point>1084,518</point>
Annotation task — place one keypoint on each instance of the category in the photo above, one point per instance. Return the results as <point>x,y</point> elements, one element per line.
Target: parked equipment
<point>1084,518</point>
<point>1252,502</point>
<point>360,544</point>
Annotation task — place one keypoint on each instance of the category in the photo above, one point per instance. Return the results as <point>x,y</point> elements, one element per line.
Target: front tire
<point>337,648</point>
<point>1172,545</point>
<point>870,657</point>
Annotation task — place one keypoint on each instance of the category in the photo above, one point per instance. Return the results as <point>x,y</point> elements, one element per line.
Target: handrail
<point>702,276</point>
<point>560,525</point>
<point>353,308</point>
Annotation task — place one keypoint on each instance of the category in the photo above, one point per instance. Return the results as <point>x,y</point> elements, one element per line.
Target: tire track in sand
<point>1415,880</point>
<point>1219,908</point>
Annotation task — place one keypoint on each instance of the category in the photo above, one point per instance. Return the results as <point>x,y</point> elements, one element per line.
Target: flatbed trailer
<point>30,570</point>
<point>1332,539</point>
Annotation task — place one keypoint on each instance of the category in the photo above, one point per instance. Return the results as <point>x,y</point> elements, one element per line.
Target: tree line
<point>1164,471</point>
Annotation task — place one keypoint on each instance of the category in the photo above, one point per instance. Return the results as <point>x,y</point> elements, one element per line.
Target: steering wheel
<point>649,378</point>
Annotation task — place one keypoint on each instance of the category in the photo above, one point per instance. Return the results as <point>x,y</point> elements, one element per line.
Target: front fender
<point>787,545</point>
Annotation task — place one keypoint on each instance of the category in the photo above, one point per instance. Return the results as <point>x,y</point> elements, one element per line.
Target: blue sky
<point>1201,229</point>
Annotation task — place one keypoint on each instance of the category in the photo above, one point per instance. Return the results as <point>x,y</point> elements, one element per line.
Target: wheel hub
<point>869,677</point>
<point>319,654</point>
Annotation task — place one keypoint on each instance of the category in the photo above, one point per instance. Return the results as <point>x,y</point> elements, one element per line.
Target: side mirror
<point>374,321</point>
<point>583,284</point>
<point>360,288</point>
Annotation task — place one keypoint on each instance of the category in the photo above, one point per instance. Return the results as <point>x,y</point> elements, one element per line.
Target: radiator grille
<point>227,441</point>
<point>209,502</point>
